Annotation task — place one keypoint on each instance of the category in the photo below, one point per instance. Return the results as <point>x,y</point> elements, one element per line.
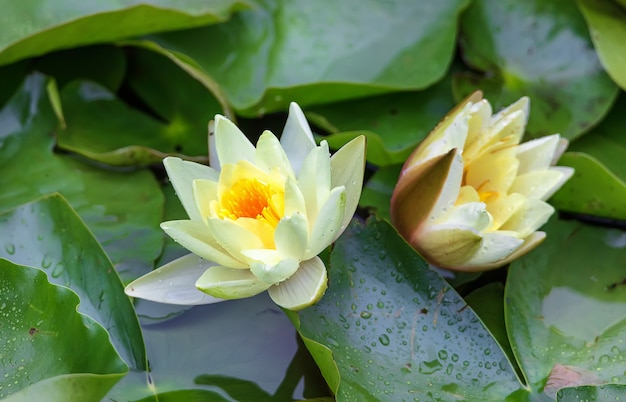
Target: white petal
<point>529,218</point>
<point>270,155</point>
<point>204,191</point>
<point>292,236</point>
<point>173,283</point>
<point>314,179</point>
<point>214,160</point>
<point>326,227</point>
<point>479,120</point>
<point>227,283</point>
<point>269,266</point>
<point>182,174</point>
<point>537,154</point>
<point>522,105</point>
<point>541,184</point>
<point>196,237</point>
<point>347,167</point>
<point>231,144</point>
<point>470,215</point>
<point>495,246</point>
<point>297,138</point>
<point>304,288</point>
<point>232,237</point>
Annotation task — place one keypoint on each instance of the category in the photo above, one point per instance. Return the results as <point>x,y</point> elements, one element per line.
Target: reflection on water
<point>575,314</point>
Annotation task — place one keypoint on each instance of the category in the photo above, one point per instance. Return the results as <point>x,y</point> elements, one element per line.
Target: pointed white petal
<point>529,218</point>
<point>446,245</point>
<point>326,227</point>
<point>214,160</point>
<point>231,144</point>
<point>304,288</point>
<point>347,167</point>
<point>294,199</point>
<point>196,237</point>
<point>173,283</point>
<point>541,184</point>
<point>228,283</point>
<point>269,266</point>
<point>182,174</point>
<point>297,138</point>
<point>314,179</point>
<point>292,236</point>
<point>537,154</point>
<point>530,243</point>
<point>270,155</point>
<point>522,105</point>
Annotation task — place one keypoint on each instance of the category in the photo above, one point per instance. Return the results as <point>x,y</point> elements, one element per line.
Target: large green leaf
<point>49,235</point>
<point>592,190</point>
<point>540,49</point>
<point>607,26</point>
<point>49,350</point>
<point>322,51</point>
<point>566,308</point>
<point>36,27</point>
<point>389,328</point>
<point>183,105</point>
<point>123,209</point>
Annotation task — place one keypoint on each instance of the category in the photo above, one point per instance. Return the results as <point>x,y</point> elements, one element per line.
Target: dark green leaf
<point>48,234</point>
<point>609,392</point>
<point>123,209</point>
<point>391,329</point>
<point>37,27</point>
<point>540,49</point>
<point>318,52</point>
<point>49,350</point>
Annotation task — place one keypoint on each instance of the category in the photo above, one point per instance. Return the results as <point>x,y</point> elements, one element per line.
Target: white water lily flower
<point>258,217</point>
<point>471,197</point>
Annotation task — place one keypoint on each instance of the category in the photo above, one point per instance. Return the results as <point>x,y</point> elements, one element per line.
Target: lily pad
<point>607,27</point>
<point>566,308</point>
<point>38,27</point>
<point>182,105</point>
<point>389,328</point>
<point>394,123</point>
<point>49,235</point>
<point>318,52</point>
<point>48,347</point>
<point>612,392</point>
<point>607,141</point>
<point>592,190</point>
<point>123,209</point>
<point>539,49</point>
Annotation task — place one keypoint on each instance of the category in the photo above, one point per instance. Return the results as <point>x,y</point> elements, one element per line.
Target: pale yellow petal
<point>234,237</point>
<point>492,172</point>
<point>204,193</point>
<point>529,218</point>
<point>537,154</point>
<point>541,184</point>
<point>227,283</point>
<point>302,289</point>
<point>503,207</point>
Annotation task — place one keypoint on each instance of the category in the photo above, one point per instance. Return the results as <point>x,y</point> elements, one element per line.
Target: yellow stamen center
<point>252,198</point>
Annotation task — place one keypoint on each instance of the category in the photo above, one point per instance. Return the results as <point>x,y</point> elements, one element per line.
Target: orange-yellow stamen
<point>252,198</point>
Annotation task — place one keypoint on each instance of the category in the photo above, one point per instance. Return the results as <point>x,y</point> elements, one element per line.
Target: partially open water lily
<point>471,197</point>
<point>258,217</point>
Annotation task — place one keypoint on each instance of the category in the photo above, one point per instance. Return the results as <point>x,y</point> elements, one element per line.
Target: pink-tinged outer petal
<point>182,174</point>
<point>303,288</point>
<point>228,283</point>
<point>424,193</point>
<point>297,138</point>
<point>230,143</point>
<point>347,167</point>
<point>174,283</point>
<point>196,237</point>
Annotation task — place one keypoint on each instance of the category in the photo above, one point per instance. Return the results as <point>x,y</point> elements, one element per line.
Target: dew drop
<point>383,339</point>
